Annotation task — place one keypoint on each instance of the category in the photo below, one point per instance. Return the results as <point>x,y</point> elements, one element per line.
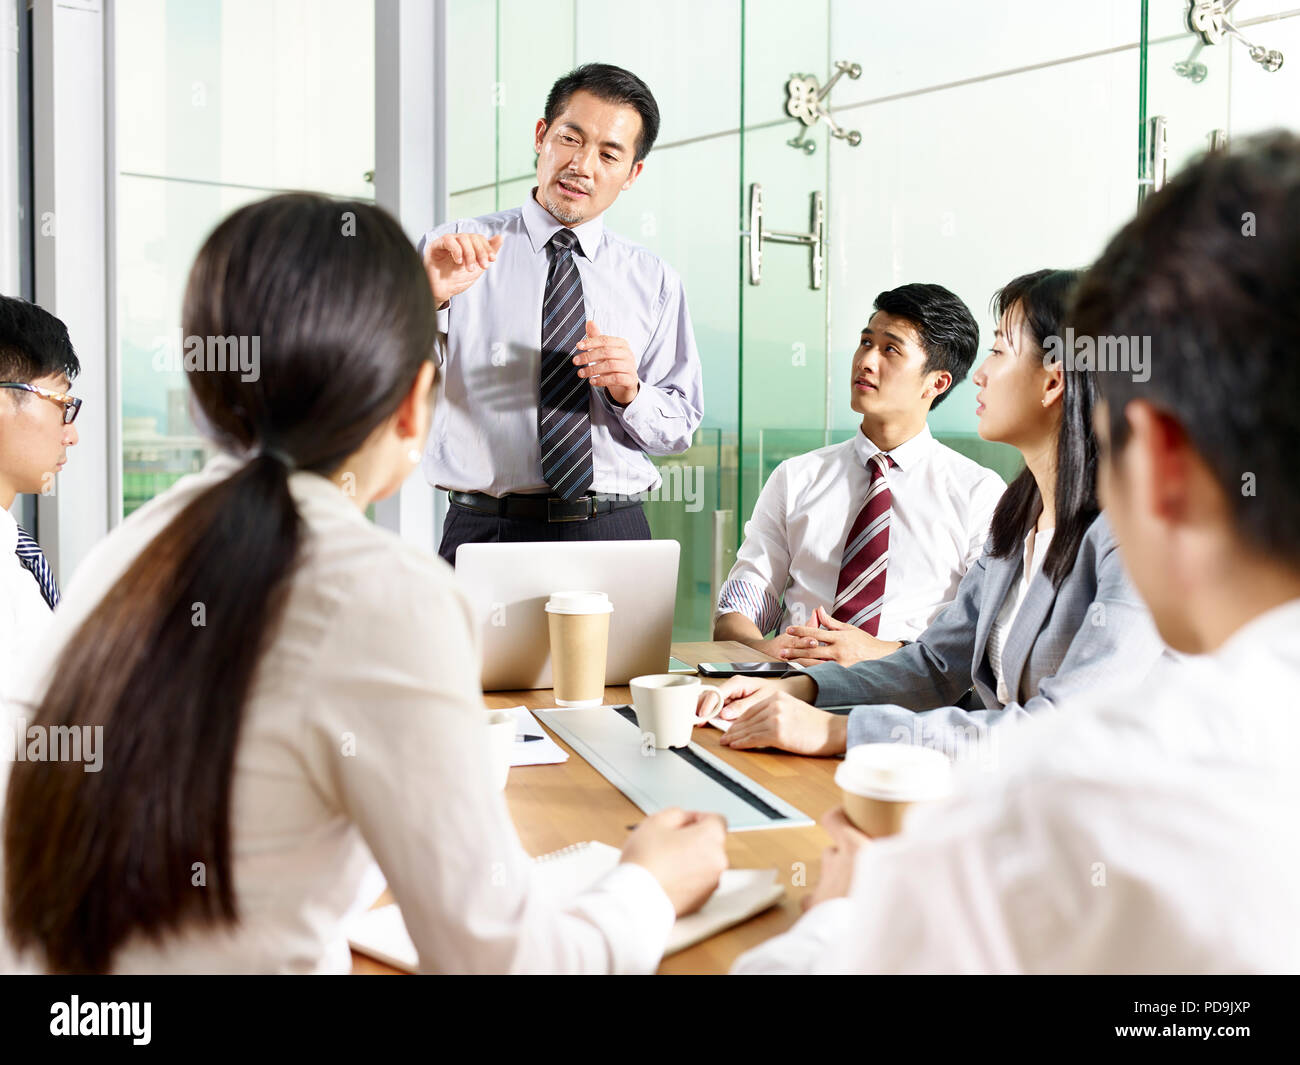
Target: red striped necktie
<point>860,590</point>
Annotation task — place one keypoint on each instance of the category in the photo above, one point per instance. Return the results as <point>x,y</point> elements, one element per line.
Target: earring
<point>414,454</point>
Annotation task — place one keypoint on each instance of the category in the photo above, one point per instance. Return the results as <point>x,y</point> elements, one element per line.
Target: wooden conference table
<point>555,805</point>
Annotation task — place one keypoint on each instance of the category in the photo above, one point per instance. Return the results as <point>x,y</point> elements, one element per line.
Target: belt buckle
<point>551,515</point>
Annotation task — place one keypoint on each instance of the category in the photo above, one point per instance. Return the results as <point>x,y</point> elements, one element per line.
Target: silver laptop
<point>508,585</point>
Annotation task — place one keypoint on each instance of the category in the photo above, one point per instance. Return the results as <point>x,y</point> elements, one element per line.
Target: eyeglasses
<point>71,404</point>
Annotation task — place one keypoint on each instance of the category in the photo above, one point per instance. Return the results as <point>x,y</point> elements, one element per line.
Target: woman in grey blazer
<point>1045,613</point>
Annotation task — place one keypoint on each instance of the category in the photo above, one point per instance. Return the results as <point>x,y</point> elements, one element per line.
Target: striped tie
<point>861,587</point>
<point>564,413</point>
<point>31,556</point>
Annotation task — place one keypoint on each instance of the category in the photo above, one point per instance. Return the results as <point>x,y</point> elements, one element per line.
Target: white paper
<point>566,874</point>
<point>535,752</point>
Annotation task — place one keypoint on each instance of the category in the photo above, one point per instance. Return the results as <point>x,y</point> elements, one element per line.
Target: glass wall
<point>995,139</point>
<point>1203,93</point>
<point>219,102</point>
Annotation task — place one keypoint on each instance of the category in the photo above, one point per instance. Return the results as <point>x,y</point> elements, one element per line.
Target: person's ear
<point>1156,461</point>
<point>636,173</point>
<point>939,383</point>
<point>411,420</point>
<point>539,135</point>
<point>1053,384</point>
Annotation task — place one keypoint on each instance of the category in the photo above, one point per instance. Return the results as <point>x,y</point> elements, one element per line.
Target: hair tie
<point>284,459</point>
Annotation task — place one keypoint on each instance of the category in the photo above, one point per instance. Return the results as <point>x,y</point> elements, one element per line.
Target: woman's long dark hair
<point>343,313</point>
<point>1042,298</point>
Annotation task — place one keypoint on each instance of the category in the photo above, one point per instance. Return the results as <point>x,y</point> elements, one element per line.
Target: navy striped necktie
<point>563,410</point>
<point>30,555</point>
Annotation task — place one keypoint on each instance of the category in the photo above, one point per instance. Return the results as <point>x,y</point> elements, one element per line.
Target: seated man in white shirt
<point>799,571</point>
<point>37,365</point>
<point>1158,831</point>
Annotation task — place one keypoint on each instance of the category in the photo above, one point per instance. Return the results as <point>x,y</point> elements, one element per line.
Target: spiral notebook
<point>742,893</point>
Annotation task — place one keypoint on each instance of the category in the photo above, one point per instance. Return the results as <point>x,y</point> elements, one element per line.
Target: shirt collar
<point>542,226</point>
<point>8,532</point>
<point>907,454</point>
<point>1272,632</point>
<point>303,485</point>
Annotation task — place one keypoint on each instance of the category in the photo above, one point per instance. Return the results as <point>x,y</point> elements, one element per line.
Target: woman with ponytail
<point>284,689</point>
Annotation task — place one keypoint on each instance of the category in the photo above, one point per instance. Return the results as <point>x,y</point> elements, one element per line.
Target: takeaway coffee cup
<point>579,626</point>
<point>881,782</point>
<point>665,705</point>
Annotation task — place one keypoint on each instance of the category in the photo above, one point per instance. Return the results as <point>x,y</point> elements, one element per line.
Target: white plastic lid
<point>579,603</point>
<point>895,772</point>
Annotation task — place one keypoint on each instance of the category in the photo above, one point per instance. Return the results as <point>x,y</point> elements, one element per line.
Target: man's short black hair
<point>616,85</point>
<point>948,331</point>
<point>1209,272</point>
<point>33,344</point>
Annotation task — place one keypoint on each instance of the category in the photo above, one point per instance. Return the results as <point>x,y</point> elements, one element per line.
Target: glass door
<point>1213,70</point>
<point>1183,99</point>
<point>785,391</point>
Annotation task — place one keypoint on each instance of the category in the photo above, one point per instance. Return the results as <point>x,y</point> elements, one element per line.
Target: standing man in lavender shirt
<point>566,352</point>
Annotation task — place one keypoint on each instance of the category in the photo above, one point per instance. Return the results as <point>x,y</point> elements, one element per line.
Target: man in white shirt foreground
<point>795,572</point>
<point>1160,832</point>
<point>37,365</point>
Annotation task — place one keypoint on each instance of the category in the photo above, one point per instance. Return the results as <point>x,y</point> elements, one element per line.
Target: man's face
<point>584,158</point>
<point>888,373</point>
<point>34,441</point>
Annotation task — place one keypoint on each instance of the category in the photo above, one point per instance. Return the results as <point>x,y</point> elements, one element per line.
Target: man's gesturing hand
<point>609,363</point>
<point>455,261</point>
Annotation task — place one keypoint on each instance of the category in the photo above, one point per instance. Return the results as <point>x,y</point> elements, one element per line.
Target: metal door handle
<point>816,240</point>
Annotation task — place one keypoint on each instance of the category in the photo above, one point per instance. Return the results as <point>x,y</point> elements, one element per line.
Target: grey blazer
<point>1063,642</point>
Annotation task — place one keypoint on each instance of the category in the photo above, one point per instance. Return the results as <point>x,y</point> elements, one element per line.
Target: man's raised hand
<point>455,261</point>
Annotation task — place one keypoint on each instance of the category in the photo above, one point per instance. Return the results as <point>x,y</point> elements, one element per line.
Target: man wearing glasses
<point>37,365</point>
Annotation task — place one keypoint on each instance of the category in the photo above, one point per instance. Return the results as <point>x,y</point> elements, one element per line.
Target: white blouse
<point>1036,545</point>
<point>365,735</point>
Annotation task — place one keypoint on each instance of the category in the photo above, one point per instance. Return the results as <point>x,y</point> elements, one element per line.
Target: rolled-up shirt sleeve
<point>758,579</point>
<point>669,405</point>
<point>444,314</point>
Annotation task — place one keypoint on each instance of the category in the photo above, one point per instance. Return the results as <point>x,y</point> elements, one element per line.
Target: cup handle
<point>709,715</point>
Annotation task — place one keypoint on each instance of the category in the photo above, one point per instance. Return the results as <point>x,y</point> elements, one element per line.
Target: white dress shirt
<point>1036,545</point>
<point>1156,833</point>
<point>484,433</point>
<point>789,564</point>
<point>365,734</point>
<point>24,614</point>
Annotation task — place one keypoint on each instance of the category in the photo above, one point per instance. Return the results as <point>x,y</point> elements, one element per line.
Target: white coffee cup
<point>502,728</point>
<point>882,782</point>
<point>666,707</point>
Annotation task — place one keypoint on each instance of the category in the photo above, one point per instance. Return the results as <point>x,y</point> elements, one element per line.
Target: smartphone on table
<point>771,670</point>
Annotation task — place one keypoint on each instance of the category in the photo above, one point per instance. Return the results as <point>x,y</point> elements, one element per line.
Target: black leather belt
<point>542,508</point>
